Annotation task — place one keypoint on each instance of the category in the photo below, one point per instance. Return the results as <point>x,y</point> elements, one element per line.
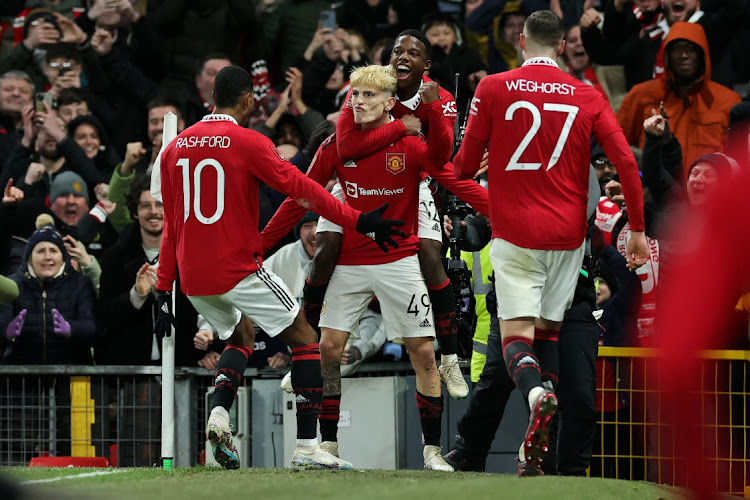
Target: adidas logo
<point>350,164</point>
<point>301,399</point>
<point>527,360</point>
<point>371,234</point>
<point>425,323</point>
<point>165,308</point>
<point>221,378</point>
<point>436,227</point>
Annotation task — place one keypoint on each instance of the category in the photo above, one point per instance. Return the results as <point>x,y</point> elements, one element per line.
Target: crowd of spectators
<point>85,84</point>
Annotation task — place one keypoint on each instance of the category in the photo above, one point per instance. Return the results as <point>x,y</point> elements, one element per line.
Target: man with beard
<point>16,89</point>
<point>53,153</point>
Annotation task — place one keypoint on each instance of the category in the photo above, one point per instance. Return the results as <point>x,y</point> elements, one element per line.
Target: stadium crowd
<point>85,84</point>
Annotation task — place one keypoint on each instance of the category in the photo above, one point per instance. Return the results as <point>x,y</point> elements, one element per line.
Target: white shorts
<point>534,283</point>
<point>400,288</point>
<point>262,296</point>
<point>430,226</point>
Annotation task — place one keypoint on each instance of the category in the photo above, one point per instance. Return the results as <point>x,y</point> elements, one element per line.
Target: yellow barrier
<point>81,417</point>
<point>633,441</point>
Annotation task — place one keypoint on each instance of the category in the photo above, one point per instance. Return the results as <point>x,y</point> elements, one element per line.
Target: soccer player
<point>410,58</point>
<point>392,174</point>
<point>538,121</point>
<point>210,176</point>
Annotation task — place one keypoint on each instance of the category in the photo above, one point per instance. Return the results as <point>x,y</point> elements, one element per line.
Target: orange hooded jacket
<point>698,121</point>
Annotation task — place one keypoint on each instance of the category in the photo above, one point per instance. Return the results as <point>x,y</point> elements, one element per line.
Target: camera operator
<point>577,349</point>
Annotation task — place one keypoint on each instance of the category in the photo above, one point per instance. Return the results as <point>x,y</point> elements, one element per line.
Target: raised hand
<point>11,195</point>
<point>16,325</point>
<point>430,92</point>
<point>34,173</point>
<point>71,32</point>
<point>102,41</point>
<point>381,230</point>
<point>77,251</point>
<point>59,325</point>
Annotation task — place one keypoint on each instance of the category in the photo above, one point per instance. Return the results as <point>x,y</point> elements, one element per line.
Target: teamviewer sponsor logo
<point>351,189</point>
<point>354,191</point>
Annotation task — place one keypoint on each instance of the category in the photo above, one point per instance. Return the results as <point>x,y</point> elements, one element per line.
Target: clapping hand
<point>60,326</point>
<point>16,325</point>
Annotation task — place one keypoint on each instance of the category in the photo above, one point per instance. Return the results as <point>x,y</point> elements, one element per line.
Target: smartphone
<point>328,19</point>
<point>40,98</point>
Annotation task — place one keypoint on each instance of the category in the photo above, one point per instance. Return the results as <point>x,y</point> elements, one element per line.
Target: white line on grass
<point>74,476</point>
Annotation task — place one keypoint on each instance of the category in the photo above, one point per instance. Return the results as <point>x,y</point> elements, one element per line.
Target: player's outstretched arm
<point>468,161</point>
<point>466,189</point>
<point>381,230</point>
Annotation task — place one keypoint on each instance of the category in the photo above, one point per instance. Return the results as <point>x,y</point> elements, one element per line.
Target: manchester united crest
<point>395,163</point>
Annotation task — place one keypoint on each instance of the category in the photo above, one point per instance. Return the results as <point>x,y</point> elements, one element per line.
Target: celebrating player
<point>538,121</point>
<point>210,175</point>
<point>393,174</point>
<point>410,58</point>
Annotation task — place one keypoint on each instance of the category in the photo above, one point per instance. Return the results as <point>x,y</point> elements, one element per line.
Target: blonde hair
<point>375,76</point>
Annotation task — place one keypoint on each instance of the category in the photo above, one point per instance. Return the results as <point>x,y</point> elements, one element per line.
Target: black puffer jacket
<point>72,294</point>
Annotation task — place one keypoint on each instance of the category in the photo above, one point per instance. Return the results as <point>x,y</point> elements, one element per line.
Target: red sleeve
<point>466,162</point>
<point>353,143</point>
<point>440,140</point>
<point>290,212</point>
<point>286,178</point>
<point>167,271</point>
<point>447,110</point>
<point>468,190</point>
<point>612,140</point>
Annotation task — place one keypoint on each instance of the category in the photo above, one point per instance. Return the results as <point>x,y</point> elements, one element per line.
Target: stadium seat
<point>69,462</point>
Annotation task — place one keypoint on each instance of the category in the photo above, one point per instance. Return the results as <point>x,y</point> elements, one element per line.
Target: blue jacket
<point>72,294</point>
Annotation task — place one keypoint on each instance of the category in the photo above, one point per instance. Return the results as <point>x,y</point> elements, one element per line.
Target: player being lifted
<point>210,175</point>
<point>410,58</point>
<point>392,174</point>
<point>538,121</point>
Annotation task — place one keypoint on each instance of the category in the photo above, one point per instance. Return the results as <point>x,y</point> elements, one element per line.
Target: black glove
<point>164,318</point>
<point>373,225</point>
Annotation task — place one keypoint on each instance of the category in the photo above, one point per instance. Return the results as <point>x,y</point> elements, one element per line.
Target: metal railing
<point>115,411</point>
<point>637,442</point>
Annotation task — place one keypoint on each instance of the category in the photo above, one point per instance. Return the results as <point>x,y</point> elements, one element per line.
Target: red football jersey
<point>539,121</point>
<point>354,143</point>
<point>210,176</point>
<point>391,175</point>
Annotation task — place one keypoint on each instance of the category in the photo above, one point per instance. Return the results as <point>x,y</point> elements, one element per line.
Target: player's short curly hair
<point>231,84</point>
<point>376,77</point>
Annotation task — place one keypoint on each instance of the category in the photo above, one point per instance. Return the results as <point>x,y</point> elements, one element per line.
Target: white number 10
<point>210,162</point>
<point>536,123</point>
